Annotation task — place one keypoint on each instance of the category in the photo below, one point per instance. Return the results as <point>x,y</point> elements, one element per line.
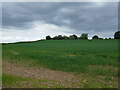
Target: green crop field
<point>95,60</point>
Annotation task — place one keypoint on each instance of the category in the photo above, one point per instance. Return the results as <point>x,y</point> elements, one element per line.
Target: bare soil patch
<point>66,78</point>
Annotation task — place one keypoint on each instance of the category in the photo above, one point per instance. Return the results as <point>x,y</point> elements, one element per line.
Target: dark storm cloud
<point>88,17</point>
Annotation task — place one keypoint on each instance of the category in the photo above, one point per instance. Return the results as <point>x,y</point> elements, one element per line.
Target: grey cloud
<point>82,16</point>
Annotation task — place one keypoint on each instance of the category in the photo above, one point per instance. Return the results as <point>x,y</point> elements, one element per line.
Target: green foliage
<point>55,38</point>
<point>75,36</point>
<point>117,35</point>
<point>65,37</point>
<point>95,37</point>
<point>71,37</point>
<point>84,36</point>
<point>48,37</point>
<point>60,37</point>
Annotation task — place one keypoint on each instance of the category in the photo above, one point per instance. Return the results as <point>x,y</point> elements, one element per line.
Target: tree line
<point>83,36</point>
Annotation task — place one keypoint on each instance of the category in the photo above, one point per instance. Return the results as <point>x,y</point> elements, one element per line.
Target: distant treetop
<point>83,36</point>
<point>95,37</point>
<point>117,35</point>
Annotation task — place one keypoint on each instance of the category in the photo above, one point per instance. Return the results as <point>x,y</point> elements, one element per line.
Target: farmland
<point>87,63</point>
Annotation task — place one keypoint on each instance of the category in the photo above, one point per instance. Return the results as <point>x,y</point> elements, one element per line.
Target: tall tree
<point>55,38</point>
<point>95,37</point>
<point>60,37</point>
<point>48,37</point>
<point>84,36</point>
<point>71,37</point>
<point>75,36</point>
<point>65,37</point>
<point>117,35</point>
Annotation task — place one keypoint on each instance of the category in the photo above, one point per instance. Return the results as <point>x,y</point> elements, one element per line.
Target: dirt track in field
<point>41,73</point>
<point>66,78</point>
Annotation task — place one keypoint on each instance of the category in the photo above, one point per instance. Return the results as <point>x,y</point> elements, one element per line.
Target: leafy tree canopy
<point>84,36</point>
<point>95,37</point>
<point>117,35</point>
<point>48,37</point>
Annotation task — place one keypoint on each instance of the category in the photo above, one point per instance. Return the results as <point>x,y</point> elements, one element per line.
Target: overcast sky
<point>22,21</point>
